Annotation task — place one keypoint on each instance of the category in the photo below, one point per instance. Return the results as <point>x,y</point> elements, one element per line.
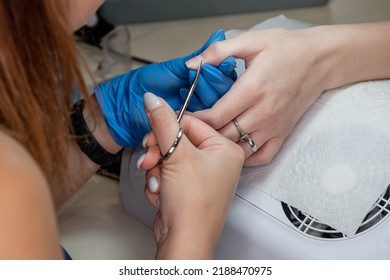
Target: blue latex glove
<point>213,83</point>
<point>121,99</point>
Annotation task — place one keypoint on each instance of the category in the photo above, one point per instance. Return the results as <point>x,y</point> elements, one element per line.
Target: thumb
<point>162,119</point>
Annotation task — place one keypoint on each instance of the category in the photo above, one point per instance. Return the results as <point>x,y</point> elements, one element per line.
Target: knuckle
<point>267,113</point>
<point>215,49</point>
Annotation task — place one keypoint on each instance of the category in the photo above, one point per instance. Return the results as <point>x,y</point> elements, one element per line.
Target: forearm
<point>354,52</point>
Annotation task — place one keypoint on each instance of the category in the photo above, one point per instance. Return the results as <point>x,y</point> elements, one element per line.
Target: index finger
<point>240,46</point>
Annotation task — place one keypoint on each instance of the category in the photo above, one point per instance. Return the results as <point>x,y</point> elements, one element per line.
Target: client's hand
<point>121,97</point>
<point>286,70</point>
<point>192,189</point>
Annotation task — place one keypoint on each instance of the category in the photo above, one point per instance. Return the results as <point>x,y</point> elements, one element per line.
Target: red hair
<point>39,68</point>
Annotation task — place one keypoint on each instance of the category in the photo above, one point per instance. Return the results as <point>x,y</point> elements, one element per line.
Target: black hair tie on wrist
<point>86,141</point>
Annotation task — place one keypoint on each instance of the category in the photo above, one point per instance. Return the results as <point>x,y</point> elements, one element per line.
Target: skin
<point>28,222</point>
<point>81,11</point>
<point>286,71</point>
<point>189,222</point>
<point>81,168</point>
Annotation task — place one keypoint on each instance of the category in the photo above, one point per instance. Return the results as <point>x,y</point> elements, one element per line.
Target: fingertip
<point>151,158</point>
<point>194,62</point>
<point>149,140</point>
<point>153,184</point>
<point>145,140</point>
<point>140,161</point>
<point>152,101</point>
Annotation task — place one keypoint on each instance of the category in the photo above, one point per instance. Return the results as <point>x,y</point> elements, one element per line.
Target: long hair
<point>39,67</point>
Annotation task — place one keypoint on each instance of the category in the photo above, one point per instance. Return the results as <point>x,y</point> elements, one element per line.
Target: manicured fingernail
<point>193,63</point>
<point>153,184</point>
<point>151,101</point>
<point>140,161</point>
<point>145,140</point>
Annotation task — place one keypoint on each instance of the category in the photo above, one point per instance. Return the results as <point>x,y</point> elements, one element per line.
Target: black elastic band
<point>86,141</point>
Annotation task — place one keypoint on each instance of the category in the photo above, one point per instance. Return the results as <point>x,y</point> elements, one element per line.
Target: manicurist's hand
<point>193,188</point>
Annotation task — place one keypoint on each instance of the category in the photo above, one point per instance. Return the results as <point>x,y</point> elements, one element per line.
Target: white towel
<point>336,162</point>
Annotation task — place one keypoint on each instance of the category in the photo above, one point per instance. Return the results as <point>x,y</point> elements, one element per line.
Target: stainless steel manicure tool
<point>190,92</point>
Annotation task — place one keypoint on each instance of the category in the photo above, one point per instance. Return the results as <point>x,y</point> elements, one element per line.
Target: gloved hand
<point>213,83</point>
<point>121,99</point>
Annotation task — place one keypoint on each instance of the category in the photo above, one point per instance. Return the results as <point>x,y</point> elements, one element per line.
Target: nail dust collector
<point>260,227</point>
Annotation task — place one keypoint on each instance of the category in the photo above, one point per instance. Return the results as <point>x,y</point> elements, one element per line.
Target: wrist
<point>353,52</point>
<point>323,51</point>
<point>92,135</point>
<point>188,236</point>
<point>97,125</point>
<point>185,244</point>
<point>334,59</point>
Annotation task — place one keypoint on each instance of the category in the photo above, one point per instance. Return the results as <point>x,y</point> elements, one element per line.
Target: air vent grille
<point>313,227</point>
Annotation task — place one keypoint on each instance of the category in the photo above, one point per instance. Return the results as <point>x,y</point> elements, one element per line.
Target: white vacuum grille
<point>313,227</point>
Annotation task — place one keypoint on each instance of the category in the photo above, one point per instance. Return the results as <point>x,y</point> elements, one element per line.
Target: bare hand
<point>283,77</point>
<point>193,189</point>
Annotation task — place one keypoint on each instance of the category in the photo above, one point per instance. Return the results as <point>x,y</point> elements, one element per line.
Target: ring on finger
<point>245,137</point>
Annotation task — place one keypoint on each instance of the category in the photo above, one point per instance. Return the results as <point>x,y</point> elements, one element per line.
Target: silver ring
<point>245,137</point>
<point>174,145</point>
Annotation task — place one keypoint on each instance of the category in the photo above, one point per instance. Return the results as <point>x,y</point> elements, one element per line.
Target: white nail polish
<point>152,101</point>
<point>145,140</point>
<point>153,184</point>
<point>140,160</point>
